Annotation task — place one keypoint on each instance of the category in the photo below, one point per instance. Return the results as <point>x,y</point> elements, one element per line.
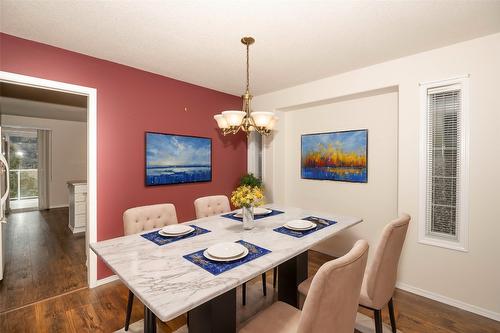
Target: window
<point>443,194</point>
<point>255,154</point>
<point>23,160</point>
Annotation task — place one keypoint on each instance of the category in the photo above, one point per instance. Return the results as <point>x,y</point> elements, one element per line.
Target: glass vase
<point>248,220</point>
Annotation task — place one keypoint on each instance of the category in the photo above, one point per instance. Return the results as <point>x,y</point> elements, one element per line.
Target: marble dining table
<point>169,285</point>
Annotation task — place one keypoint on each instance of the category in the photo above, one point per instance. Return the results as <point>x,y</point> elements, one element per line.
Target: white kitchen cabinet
<point>77,206</point>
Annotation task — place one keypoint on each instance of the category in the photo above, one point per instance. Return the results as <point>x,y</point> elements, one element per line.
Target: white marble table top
<point>170,285</point>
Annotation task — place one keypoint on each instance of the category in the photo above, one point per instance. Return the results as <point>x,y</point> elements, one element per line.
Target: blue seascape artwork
<point>340,156</point>
<point>174,159</point>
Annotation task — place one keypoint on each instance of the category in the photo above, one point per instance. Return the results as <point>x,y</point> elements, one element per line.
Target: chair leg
<point>378,321</point>
<point>129,309</point>
<point>275,276</point>
<point>391,315</point>
<point>264,285</point>
<point>244,293</point>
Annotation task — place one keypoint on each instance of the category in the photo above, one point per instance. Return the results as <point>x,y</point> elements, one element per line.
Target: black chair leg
<point>129,309</point>
<point>244,293</point>
<point>275,276</point>
<point>264,285</point>
<point>378,321</point>
<point>391,315</point>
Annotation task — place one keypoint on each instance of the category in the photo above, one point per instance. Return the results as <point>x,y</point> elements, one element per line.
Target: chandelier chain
<point>248,67</point>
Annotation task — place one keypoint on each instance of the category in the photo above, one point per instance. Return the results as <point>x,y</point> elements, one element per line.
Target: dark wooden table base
<point>215,316</point>
<point>290,274</point>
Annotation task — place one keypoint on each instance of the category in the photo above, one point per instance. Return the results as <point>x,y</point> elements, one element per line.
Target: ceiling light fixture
<point>232,121</point>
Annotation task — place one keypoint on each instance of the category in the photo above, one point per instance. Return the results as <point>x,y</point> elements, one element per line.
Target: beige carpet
<point>256,302</point>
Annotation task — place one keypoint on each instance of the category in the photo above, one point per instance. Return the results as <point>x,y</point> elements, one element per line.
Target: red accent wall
<point>130,102</point>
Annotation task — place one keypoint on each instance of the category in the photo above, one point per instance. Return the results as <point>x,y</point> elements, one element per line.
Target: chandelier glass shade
<point>246,120</point>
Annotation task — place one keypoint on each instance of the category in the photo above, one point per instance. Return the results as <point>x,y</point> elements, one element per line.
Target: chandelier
<point>232,121</point>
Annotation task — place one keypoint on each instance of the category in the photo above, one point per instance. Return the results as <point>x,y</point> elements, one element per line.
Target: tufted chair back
<point>212,205</point>
<point>144,218</point>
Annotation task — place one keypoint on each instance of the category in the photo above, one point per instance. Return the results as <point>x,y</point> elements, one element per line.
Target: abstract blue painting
<point>174,159</point>
<point>340,156</point>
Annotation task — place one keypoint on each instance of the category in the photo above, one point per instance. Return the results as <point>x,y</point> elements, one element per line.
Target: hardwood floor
<point>43,258</point>
<point>103,310</point>
<point>416,314</point>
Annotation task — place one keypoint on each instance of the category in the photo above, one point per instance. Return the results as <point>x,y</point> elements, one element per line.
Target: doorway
<point>39,231</point>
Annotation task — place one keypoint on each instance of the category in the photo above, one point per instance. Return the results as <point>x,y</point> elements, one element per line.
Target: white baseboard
<point>77,230</point>
<point>59,206</point>
<point>449,301</point>
<point>105,280</point>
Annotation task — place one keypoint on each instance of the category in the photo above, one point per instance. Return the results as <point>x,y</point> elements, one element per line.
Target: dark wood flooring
<point>103,310</point>
<point>43,258</point>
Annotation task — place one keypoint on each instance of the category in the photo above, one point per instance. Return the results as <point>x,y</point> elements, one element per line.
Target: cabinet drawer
<point>80,208</point>
<point>79,197</point>
<point>80,220</point>
<point>81,189</point>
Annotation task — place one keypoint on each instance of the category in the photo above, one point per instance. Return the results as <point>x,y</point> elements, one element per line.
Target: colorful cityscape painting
<point>340,156</point>
<point>174,159</point>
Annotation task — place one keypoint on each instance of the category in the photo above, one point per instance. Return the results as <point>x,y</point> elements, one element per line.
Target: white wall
<point>69,152</point>
<point>376,113</point>
<point>470,279</point>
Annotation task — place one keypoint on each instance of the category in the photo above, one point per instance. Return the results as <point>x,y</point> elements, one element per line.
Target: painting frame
<point>362,181</point>
<point>149,184</point>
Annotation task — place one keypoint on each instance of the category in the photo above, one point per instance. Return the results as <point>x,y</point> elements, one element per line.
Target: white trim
<point>449,301</point>
<point>91,93</point>
<point>463,238</point>
<point>252,153</point>
<point>105,280</point>
<point>77,230</point>
<point>438,83</point>
<point>27,128</point>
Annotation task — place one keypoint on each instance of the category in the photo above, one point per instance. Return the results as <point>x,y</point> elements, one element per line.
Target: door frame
<point>91,93</point>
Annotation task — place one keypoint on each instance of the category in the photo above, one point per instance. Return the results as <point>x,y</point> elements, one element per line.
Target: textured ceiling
<point>296,41</point>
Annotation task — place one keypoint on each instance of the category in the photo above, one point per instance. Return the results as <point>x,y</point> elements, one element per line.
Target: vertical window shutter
<point>443,162</point>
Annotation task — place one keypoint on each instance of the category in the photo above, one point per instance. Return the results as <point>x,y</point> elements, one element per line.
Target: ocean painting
<point>340,156</point>
<point>174,159</point>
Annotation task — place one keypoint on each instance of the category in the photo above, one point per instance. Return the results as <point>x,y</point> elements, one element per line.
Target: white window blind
<point>444,162</point>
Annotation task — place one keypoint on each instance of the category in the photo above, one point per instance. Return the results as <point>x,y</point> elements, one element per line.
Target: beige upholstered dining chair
<point>211,205</point>
<point>219,204</point>
<point>331,305</point>
<point>144,218</point>
<point>380,278</point>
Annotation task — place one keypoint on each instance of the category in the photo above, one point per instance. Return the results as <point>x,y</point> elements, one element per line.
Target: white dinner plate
<point>300,225</point>
<point>242,255</point>
<point>175,235</point>
<point>176,230</point>
<point>256,211</point>
<point>226,250</point>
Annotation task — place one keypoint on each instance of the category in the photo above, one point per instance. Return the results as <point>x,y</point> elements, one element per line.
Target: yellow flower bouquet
<point>247,196</point>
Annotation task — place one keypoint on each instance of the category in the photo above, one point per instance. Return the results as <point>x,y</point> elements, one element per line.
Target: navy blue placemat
<point>256,217</point>
<point>158,239</point>
<point>299,234</point>
<point>217,267</point>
